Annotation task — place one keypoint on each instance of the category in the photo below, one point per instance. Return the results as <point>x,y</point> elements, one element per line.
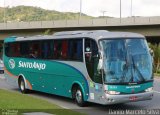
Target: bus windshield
<point>126,61</point>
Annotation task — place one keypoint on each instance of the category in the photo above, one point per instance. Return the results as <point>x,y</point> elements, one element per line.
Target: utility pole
<point>131,8</point>
<point>120,11</point>
<point>103,12</point>
<point>4,16</point>
<point>80,13</point>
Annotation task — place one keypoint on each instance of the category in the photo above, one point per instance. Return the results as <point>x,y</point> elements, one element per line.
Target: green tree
<point>47,32</point>
<point>156,56</point>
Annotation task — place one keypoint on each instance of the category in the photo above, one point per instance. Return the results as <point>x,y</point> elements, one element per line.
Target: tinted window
<point>69,49</point>
<point>35,49</point>
<point>57,49</point>
<point>12,49</point>
<point>24,49</point>
<point>47,48</point>
<point>75,50</point>
<point>64,51</point>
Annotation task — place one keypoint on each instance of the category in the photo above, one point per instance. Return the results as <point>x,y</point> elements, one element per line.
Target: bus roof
<point>95,34</point>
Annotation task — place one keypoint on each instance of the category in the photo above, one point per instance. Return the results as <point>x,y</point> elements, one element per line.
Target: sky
<point>94,7</point>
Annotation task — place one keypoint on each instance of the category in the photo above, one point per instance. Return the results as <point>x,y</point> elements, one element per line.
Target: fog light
<point>112,92</point>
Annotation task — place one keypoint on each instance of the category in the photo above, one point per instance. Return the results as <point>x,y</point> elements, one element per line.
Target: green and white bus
<point>89,66</point>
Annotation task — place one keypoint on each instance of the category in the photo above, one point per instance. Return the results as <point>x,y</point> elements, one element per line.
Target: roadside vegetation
<point>26,103</point>
<point>156,58</point>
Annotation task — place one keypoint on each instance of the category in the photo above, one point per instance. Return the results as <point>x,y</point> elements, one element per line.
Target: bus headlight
<point>112,92</point>
<point>149,89</point>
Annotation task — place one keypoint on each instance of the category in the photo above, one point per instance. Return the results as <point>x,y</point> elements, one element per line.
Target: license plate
<point>133,98</point>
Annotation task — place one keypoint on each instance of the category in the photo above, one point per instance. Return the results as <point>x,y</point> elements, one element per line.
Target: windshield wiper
<point>136,68</point>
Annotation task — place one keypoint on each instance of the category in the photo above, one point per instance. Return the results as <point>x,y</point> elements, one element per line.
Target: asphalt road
<point>93,109</point>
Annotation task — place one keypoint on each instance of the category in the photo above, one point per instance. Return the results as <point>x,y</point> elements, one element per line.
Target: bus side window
<point>15,49</point>
<point>50,51</point>
<point>70,48</point>
<point>12,49</point>
<point>24,49</point>
<point>47,49</point>
<point>7,49</point>
<point>57,49</point>
<point>64,49</point>
<point>79,50</point>
<point>75,50</point>
<point>35,49</point>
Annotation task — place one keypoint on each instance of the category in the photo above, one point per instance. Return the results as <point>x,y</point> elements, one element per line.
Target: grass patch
<point>26,103</point>
<point>156,74</point>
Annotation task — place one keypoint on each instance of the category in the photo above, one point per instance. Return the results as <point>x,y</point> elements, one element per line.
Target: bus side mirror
<point>100,63</point>
<point>151,52</point>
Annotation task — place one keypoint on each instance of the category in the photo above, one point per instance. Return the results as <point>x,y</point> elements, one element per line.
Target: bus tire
<point>79,97</point>
<point>22,86</point>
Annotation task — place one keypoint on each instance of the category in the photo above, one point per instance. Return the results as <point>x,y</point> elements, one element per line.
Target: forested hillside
<point>29,13</point>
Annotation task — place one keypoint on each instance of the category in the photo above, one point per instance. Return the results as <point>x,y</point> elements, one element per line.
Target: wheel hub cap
<point>22,85</point>
<point>78,96</point>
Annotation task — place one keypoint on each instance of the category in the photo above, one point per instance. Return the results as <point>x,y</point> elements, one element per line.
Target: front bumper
<point>115,99</point>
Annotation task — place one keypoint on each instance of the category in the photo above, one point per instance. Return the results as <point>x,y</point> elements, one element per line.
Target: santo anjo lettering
<point>34,65</point>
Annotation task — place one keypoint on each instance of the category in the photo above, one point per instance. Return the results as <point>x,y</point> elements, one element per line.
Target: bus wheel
<point>22,85</point>
<point>79,97</point>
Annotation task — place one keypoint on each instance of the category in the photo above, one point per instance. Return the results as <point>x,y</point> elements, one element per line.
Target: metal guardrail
<point>81,23</point>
